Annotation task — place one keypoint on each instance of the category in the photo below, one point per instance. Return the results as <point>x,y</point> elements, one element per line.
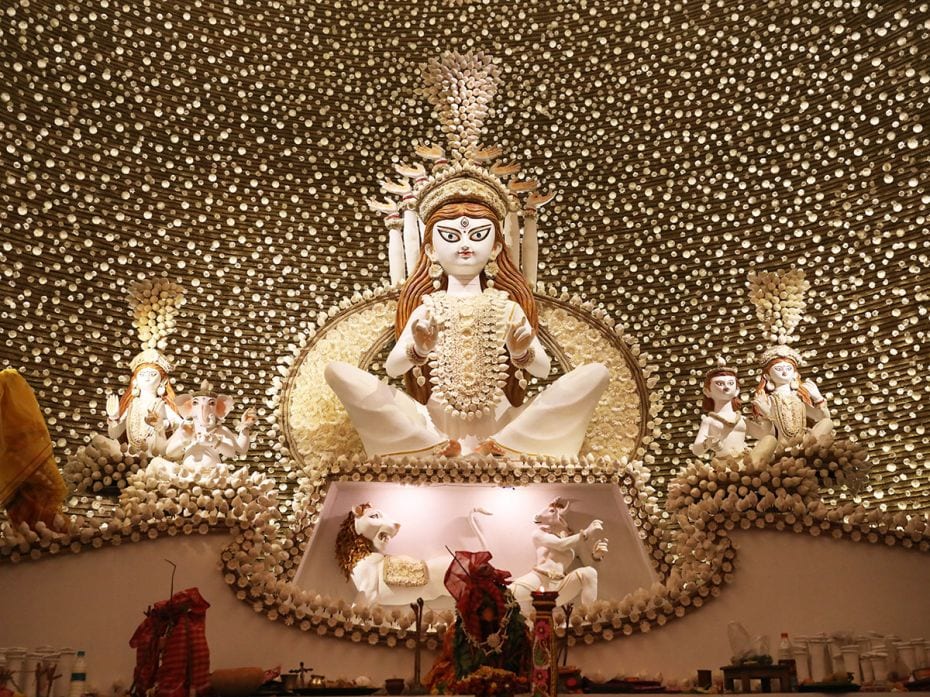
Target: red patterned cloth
<point>172,655</point>
<point>473,583</point>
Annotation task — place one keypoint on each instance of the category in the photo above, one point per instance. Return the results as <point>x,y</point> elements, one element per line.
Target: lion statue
<point>379,577</point>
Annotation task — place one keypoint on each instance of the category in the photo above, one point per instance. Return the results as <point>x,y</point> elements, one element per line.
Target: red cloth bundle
<point>172,655</point>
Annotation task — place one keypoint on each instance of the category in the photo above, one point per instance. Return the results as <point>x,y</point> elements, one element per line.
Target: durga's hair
<point>508,279</point>
<point>708,403</point>
<point>764,385</point>
<point>167,398</point>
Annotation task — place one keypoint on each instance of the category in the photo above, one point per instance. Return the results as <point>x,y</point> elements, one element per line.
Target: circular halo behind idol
<point>314,425</point>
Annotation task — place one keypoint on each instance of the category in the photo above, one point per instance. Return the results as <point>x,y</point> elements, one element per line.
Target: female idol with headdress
<point>466,331</point>
<point>466,322</point>
<point>787,403</point>
<point>146,410</point>
<point>723,427</point>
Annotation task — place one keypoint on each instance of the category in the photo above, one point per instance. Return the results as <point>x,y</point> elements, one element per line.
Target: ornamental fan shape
<point>155,304</point>
<point>778,297</point>
<point>460,87</point>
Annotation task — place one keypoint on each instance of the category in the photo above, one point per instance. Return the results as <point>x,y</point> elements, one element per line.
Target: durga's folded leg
<point>554,423</point>
<point>388,421</point>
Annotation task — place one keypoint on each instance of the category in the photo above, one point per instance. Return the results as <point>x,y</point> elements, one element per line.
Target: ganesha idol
<point>466,338</point>
<point>202,442</point>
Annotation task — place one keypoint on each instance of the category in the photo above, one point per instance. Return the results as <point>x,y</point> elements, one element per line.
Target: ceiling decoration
<point>230,148</point>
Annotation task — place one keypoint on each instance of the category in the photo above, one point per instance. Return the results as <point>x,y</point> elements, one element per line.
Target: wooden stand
<point>764,674</point>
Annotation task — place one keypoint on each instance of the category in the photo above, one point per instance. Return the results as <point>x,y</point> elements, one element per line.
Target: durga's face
<point>464,245</point>
<point>148,379</point>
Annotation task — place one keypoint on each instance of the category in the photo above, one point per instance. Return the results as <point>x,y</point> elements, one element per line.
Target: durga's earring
<point>435,270</point>
<point>136,390</point>
<point>491,269</point>
<point>161,390</point>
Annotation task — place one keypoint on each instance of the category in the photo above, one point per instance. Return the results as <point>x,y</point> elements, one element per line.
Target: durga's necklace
<point>137,431</point>
<point>468,365</point>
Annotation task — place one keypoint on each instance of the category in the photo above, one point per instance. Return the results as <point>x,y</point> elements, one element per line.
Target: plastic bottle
<point>784,648</point>
<point>65,666</point>
<point>78,675</point>
<point>787,657</point>
<point>28,684</point>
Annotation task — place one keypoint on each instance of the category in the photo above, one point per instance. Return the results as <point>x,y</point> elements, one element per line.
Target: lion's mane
<point>351,547</point>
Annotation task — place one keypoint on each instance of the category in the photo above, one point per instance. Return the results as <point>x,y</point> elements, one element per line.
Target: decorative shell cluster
<point>155,304</point>
<point>779,299</point>
<point>709,498</point>
<point>694,556</point>
<point>150,507</point>
<point>461,87</point>
<point>99,466</point>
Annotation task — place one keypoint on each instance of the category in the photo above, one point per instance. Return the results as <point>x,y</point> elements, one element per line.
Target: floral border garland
<point>706,500</point>
<point>149,508</point>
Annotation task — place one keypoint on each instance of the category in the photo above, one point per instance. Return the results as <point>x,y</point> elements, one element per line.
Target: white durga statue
<point>466,322</point>
<point>462,348</point>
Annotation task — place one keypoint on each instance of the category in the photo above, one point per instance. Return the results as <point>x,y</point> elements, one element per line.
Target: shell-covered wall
<point>230,146</point>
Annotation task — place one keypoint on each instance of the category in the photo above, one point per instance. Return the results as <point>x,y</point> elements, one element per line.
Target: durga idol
<point>466,336</point>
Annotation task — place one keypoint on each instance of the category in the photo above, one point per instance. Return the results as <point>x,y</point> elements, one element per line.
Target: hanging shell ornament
<point>779,299</point>
<point>155,304</point>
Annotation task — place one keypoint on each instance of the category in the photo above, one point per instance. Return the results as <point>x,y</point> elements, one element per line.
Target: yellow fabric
<point>31,487</point>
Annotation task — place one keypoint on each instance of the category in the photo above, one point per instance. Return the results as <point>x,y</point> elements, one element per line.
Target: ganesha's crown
<point>460,88</point>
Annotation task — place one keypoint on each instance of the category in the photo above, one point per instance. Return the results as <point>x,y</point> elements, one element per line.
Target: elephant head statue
<point>203,440</point>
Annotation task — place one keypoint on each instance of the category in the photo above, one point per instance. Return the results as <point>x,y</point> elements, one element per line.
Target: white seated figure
<point>557,547</point>
<point>466,330</point>
<point>791,408</point>
<point>146,411</point>
<point>723,428</point>
<point>203,441</point>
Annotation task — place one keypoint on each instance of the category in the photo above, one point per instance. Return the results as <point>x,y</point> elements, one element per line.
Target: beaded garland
<point>788,414</point>
<point>470,355</point>
<point>137,430</point>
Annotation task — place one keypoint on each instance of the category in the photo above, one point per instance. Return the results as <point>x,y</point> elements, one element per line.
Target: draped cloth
<point>172,656</point>
<point>31,487</point>
<point>489,629</point>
